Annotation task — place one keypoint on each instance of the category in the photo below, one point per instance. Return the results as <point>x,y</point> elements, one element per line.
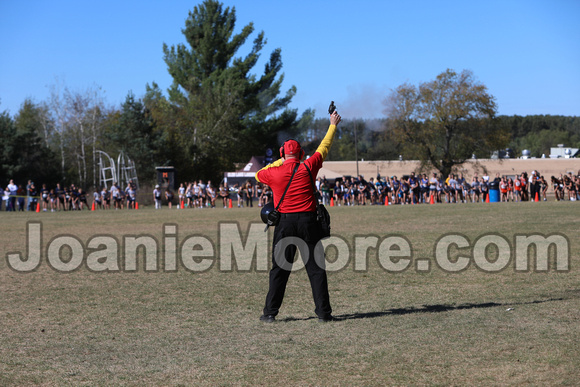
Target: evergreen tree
<point>23,155</point>
<point>226,113</point>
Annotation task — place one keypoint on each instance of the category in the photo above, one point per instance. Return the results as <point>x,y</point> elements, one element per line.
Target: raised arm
<point>326,142</point>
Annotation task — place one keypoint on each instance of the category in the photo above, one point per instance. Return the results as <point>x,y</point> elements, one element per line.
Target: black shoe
<point>327,319</point>
<point>269,318</point>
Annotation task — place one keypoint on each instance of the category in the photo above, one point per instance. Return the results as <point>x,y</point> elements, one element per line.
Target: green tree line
<point>30,145</point>
<point>536,133</point>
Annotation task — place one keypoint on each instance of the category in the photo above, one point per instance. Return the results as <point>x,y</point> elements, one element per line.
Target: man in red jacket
<point>298,220</point>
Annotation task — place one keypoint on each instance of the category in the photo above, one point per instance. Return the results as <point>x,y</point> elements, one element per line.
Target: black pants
<point>249,200</point>
<point>303,229</point>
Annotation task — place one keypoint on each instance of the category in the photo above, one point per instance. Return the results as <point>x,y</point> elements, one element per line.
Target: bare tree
<point>78,105</point>
<point>95,120</point>
<point>77,121</point>
<point>47,124</point>
<point>85,108</point>
<point>444,122</point>
<point>59,111</point>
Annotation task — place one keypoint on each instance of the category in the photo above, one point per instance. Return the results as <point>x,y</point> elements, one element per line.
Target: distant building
<point>563,152</point>
<point>246,173</point>
<point>503,154</point>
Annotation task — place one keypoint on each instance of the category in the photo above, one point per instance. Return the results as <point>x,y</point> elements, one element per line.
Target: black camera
<point>273,218</point>
<point>269,215</point>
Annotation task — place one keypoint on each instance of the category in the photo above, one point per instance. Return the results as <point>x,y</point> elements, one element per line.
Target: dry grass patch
<point>184,328</point>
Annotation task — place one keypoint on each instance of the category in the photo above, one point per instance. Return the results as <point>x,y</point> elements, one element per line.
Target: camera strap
<point>322,214</point>
<point>288,186</point>
<point>270,223</point>
<point>315,191</point>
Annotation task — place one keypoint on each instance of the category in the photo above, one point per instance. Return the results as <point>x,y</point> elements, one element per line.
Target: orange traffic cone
<point>431,200</point>
<point>386,200</point>
<point>331,202</point>
<point>537,198</point>
<point>487,198</point>
<point>38,207</point>
<point>230,205</point>
<point>93,207</point>
<point>182,204</point>
<point>136,205</point>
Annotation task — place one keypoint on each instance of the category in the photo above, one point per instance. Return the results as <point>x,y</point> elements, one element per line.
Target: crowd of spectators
<point>116,197</point>
<point>344,191</point>
<point>67,198</point>
<point>200,195</point>
<point>196,194</point>
<point>409,189</point>
<point>416,189</point>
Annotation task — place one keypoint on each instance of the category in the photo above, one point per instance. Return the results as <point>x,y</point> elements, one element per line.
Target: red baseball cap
<point>292,147</point>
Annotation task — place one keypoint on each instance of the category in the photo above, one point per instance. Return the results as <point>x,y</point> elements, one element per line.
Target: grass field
<point>201,328</point>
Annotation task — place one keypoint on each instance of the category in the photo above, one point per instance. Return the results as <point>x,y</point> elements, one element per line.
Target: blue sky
<point>526,52</point>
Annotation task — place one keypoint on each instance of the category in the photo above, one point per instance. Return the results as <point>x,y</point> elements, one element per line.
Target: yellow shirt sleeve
<point>276,163</point>
<point>326,142</point>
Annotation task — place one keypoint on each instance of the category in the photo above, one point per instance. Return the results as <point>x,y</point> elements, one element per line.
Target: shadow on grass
<point>427,309</point>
